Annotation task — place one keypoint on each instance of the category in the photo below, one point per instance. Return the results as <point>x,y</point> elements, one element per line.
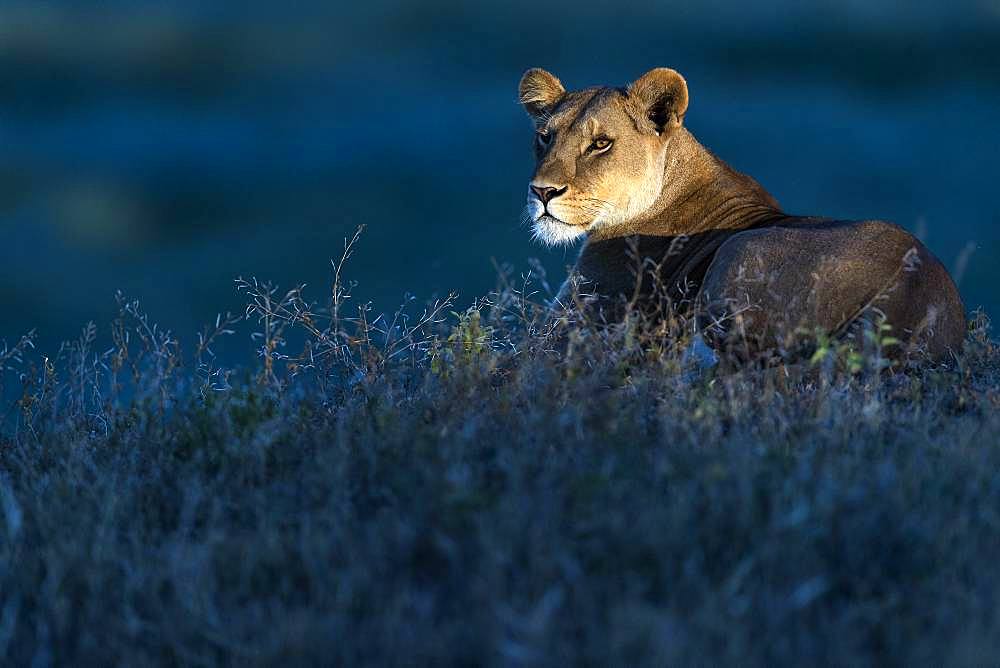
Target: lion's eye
<point>543,138</point>
<point>601,144</point>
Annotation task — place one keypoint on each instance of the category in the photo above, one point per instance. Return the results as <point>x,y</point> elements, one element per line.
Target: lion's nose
<point>546,194</point>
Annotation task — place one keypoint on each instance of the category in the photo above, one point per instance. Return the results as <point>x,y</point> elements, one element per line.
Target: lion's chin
<point>551,231</point>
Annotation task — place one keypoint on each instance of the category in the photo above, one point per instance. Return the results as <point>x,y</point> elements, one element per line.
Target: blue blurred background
<point>164,148</point>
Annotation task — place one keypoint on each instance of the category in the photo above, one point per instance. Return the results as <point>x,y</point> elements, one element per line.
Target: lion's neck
<point>700,193</point>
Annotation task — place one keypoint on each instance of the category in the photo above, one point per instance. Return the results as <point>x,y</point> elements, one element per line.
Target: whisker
<point>526,218</point>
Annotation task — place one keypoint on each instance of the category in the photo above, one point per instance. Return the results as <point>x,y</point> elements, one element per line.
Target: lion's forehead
<point>581,112</point>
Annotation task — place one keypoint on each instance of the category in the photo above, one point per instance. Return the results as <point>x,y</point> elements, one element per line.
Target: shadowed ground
<point>453,489</point>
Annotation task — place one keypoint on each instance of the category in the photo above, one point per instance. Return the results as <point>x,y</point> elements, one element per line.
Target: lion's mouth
<point>549,218</point>
<point>554,231</point>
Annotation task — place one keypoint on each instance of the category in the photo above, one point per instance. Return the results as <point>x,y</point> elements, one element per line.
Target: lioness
<point>616,166</point>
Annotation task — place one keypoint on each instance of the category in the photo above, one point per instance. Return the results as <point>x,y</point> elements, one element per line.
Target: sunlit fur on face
<point>603,187</point>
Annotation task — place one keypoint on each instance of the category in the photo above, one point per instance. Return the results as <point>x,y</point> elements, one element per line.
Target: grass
<point>491,486</point>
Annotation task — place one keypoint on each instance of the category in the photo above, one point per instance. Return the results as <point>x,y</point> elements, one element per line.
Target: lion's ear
<point>662,98</point>
<point>540,92</point>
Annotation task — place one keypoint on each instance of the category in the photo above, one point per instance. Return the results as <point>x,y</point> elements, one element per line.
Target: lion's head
<point>600,152</point>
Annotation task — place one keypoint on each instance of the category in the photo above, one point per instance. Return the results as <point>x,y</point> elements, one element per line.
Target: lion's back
<point>826,274</point>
